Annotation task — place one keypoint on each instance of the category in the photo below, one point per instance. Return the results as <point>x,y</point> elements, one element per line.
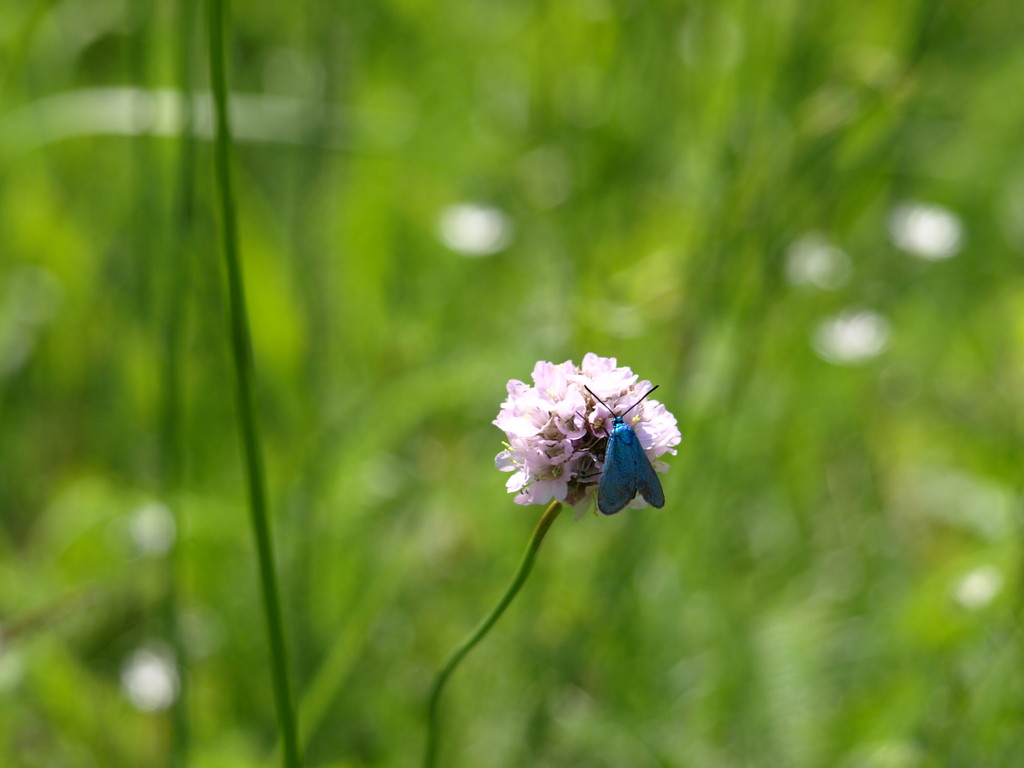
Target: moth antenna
<point>602,402</point>
<point>634,405</point>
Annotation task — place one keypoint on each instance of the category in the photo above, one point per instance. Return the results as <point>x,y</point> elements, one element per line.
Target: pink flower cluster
<point>557,431</point>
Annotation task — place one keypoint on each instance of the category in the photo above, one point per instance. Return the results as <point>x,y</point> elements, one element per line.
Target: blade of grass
<point>176,266</point>
<point>241,346</point>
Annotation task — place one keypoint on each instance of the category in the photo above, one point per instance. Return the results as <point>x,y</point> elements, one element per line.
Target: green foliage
<point>835,578</point>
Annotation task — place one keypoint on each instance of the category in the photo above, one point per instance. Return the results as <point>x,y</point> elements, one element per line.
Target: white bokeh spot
<point>925,230</point>
<point>813,260</point>
<point>979,587</point>
<point>152,529</point>
<point>474,230</point>
<point>149,678</point>
<point>852,337</point>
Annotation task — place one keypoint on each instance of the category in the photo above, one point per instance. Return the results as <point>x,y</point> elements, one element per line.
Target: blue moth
<point>627,470</point>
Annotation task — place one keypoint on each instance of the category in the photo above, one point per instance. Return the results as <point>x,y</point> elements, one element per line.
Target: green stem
<point>525,566</point>
<point>241,345</point>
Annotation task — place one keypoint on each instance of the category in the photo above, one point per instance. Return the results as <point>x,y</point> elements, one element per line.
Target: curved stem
<point>241,346</point>
<point>525,566</point>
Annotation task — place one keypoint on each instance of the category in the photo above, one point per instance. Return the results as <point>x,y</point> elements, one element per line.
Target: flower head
<point>557,431</point>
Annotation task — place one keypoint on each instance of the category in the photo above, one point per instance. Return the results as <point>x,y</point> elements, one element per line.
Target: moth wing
<point>619,477</point>
<point>647,479</point>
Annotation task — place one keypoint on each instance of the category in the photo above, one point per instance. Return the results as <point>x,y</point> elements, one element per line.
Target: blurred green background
<point>803,220</point>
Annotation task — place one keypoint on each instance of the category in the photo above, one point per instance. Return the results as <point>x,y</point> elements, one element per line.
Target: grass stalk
<point>241,346</point>
<point>175,316</point>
